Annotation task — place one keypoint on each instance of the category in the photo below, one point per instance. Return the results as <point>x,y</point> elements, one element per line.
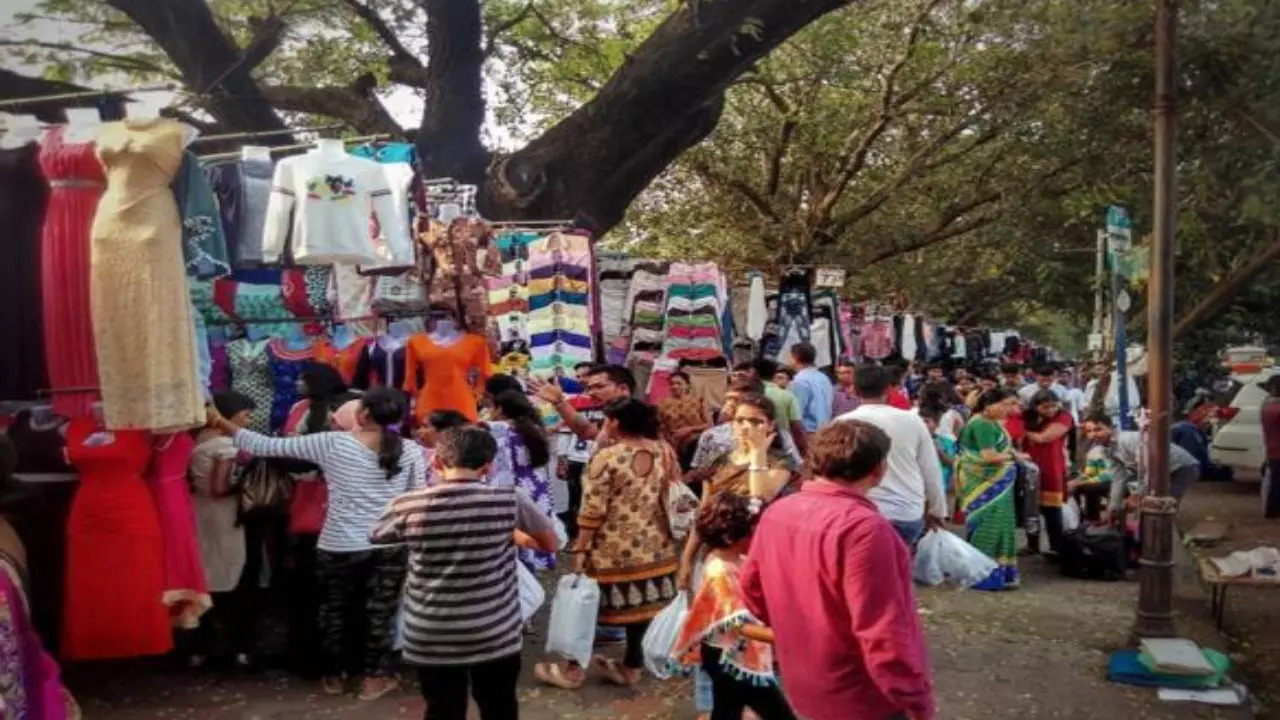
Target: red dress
<point>186,590</point>
<point>1052,461</point>
<point>115,560</point>
<point>76,181</point>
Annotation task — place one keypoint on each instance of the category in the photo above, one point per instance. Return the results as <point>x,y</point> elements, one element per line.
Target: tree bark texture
<point>666,97</point>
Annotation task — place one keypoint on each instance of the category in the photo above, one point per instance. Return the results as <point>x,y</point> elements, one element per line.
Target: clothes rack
<point>84,94</point>
<point>60,391</point>
<point>299,146</point>
<point>267,133</point>
<point>303,319</point>
<point>532,224</point>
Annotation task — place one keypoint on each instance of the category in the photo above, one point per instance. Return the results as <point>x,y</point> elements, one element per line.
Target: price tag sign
<point>828,277</point>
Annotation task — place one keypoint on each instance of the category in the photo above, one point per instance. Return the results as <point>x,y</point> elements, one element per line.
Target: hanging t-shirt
<point>331,198</point>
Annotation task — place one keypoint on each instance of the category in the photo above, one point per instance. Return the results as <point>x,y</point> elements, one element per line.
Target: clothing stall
<point>159,275</point>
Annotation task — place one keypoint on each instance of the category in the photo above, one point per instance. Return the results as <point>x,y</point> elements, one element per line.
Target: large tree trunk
<point>665,98</point>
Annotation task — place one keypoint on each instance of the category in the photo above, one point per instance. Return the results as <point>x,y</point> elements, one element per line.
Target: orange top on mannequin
<point>455,374</point>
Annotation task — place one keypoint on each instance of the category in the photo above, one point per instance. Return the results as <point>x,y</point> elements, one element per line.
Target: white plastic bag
<point>572,630</point>
<point>562,535</point>
<point>943,556</point>
<point>531,593</point>
<point>1070,515</point>
<point>662,634</point>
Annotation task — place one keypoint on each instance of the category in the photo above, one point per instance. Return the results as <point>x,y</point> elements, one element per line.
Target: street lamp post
<point>1155,589</point>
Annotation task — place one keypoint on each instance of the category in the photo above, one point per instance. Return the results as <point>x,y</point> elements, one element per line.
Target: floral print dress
<point>512,466</point>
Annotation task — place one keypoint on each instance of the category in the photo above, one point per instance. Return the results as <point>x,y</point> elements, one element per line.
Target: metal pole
<point>1155,588</point>
<point>1100,287</point>
<point>1122,347</point>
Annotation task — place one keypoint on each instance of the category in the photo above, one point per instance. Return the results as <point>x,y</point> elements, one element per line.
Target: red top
<point>1051,458</point>
<point>898,398</point>
<point>832,578</point>
<point>1017,429</point>
<point>1271,428</point>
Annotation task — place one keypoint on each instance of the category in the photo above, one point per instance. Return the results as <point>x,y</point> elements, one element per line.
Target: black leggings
<point>359,594</point>
<point>732,696</point>
<point>492,684</point>
<point>634,657</point>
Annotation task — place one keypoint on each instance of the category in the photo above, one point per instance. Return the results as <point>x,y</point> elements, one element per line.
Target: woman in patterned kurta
<point>624,539</point>
<point>683,416</point>
<point>524,455</point>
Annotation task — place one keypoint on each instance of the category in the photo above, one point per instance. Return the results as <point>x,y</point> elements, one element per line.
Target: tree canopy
<point>957,153</point>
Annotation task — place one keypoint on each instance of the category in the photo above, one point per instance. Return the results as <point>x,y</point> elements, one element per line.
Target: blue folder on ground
<point>1127,667</point>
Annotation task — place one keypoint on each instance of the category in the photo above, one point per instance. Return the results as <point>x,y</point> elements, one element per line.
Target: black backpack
<point>1093,554</point>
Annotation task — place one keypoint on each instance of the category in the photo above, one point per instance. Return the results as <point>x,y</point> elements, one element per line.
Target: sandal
<point>553,674</point>
<point>333,685</point>
<point>381,687</point>
<point>614,672</point>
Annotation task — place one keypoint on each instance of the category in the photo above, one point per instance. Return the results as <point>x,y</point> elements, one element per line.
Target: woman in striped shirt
<point>365,468</point>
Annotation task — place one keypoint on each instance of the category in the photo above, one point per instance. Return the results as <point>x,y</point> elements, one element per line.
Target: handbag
<point>263,489</point>
<point>308,506</point>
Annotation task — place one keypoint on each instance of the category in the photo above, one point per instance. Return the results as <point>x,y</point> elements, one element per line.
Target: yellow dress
<point>143,329</point>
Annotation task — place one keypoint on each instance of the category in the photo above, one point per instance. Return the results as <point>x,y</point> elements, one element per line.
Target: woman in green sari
<point>986,472</point>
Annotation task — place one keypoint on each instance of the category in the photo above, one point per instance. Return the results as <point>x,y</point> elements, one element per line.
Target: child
<point>946,447</point>
<point>461,600</point>
<point>720,635</point>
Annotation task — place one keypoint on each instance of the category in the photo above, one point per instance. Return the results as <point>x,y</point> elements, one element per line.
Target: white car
<point>1238,439</point>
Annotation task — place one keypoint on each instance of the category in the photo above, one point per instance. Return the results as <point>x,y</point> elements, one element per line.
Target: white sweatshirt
<point>331,198</point>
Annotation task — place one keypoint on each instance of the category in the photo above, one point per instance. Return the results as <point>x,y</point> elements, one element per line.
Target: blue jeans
<point>910,531</point>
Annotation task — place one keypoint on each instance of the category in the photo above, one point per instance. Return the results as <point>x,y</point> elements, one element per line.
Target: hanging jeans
<point>359,594</point>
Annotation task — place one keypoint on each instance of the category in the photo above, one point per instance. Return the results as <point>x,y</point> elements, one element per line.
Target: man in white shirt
<point>910,496</point>
<point>1111,401</point>
<point>1046,379</point>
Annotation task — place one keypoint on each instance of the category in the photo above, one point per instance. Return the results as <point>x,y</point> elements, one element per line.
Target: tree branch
<point>121,62</point>
<point>1228,288</point>
<point>497,31</point>
<point>748,193</point>
<point>355,105</point>
<point>210,64</point>
<point>857,145</point>
<point>405,66</point>
<point>897,180</point>
<point>773,165</point>
<point>268,33</point>
<point>940,232</point>
<point>14,87</point>
<point>1256,124</point>
<point>676,78</point>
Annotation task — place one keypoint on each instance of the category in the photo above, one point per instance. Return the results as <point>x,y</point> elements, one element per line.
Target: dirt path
<point>1037,652</point>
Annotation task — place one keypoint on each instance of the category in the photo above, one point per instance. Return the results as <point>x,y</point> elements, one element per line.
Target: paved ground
<point>1036,652</point>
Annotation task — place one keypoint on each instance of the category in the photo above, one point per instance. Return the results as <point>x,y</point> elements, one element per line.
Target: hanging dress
<point>186,589</point>
<point>141,314</point>
<point>22,202</point>
<point>76,183</point>
<point>115,562</point>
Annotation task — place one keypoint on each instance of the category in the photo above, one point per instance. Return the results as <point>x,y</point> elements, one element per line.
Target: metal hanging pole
<point>299,146</point>
<point>1155,578</point>
<point>83,94</point>
<point>267,133</point>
